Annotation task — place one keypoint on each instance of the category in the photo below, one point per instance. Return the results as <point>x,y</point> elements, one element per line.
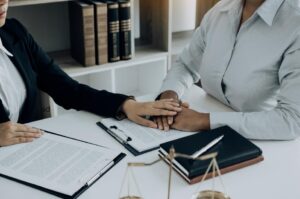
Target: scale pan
<point>209,194</point>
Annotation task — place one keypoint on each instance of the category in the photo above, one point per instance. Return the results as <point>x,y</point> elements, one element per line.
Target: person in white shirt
<point>247,55</point>
<point>25,69</point>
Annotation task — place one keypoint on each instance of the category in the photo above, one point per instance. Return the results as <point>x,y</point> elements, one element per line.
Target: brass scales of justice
<point>205,194</point>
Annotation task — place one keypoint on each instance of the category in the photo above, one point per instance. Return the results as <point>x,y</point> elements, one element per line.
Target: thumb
<point>185,105</point>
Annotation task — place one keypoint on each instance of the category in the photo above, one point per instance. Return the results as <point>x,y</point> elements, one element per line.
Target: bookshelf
<point>153,44</point>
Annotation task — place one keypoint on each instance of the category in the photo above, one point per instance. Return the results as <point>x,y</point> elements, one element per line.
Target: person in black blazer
<point>39,72</point>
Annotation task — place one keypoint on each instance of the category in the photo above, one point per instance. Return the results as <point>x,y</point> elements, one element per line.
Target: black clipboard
<point>125,143</point>
<point>82,189</point>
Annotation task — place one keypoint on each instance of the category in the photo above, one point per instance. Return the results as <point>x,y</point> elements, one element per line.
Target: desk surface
<point>276,177</point>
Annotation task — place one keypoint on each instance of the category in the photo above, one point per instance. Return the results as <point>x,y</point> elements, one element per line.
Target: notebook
<point>234,152</point>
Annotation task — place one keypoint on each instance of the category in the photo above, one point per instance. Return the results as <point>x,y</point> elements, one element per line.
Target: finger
<point>166,100</point>
<point>33,133</point>
<point>172,106</point>
<point>25,128</point>
<point>144,122</point>
<point>160,112</point>
<point>19,140</point>
<point>170,120</point>
<point>185,105</point>
<point>165,123</point>
<point>27,134</point>
<point>155,120</point>
<point>160,123</point>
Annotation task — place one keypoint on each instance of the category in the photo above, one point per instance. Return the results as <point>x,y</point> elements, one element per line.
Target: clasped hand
<point>186,120</point>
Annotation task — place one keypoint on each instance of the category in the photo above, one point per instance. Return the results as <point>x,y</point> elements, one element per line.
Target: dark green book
<point>234,152</point>
<point>125,29</point>
<point>113,26</point>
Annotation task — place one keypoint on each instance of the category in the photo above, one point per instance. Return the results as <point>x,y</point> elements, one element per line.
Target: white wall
<point>184,12</point>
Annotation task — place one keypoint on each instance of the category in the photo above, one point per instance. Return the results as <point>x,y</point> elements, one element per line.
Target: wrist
<point>122,113</point>
<point>127,105</point>
<point>203,122</point>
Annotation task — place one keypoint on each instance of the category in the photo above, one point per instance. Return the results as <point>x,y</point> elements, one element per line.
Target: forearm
<point>276,124</point>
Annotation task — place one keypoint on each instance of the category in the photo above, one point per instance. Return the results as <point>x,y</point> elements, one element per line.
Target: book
<point>234,152</point>
<point>82,32</point>
<point>125,29</point>
<point>57,164</point>
<point>113,31</point>
<point>138,139</point>
<point>100,26</point>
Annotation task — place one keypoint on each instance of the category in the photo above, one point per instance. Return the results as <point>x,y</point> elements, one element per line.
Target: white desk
<point>277,177</point>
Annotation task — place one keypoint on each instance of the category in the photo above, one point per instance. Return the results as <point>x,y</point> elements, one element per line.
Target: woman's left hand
<point>136,110</point>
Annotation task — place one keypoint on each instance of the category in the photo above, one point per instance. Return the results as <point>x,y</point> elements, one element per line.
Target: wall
<point>184,12</point>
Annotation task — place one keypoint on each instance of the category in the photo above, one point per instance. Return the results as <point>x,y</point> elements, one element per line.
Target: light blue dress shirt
<point>255,70</point>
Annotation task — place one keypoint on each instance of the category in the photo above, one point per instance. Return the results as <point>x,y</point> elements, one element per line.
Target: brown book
<point>224,170</point>
<point>82,32</point>
<point>101,35</point>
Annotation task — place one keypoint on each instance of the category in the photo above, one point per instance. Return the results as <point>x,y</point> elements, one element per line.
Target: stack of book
<point>100,31</point>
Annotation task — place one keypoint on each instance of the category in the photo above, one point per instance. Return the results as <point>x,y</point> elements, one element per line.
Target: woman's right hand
<point>14,133</point>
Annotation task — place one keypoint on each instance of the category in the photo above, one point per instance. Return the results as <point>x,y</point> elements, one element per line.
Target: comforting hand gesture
<point>14,133</point>
<point>136,110</point>
<point>190,120</point>
<point>165,122</point>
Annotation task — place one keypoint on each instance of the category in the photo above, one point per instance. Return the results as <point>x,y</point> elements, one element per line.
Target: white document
<point>142,138</point>
<point>56,163</point>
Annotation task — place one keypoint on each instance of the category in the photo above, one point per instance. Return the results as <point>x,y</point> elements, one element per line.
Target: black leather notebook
<point>234,152</point>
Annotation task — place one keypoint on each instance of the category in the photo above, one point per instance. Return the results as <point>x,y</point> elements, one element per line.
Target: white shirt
<point>256,70</point>
<point>12,87</point>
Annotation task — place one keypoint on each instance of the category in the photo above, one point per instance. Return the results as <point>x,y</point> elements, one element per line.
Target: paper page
<point>55,162</point>
<point>143,138</point>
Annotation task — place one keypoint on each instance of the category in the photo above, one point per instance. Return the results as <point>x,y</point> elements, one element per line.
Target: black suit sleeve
<point>65,91</point>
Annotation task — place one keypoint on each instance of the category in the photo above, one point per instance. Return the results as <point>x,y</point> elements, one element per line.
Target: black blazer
<point>39,72</point>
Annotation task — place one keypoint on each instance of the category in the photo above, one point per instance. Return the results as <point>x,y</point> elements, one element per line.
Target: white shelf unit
<point>47,21</point>
<point>152,43</point>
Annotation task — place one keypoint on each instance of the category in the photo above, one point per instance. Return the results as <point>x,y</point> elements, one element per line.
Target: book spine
<point>125,30</point>
<point>101,33</point>
<point>82,34</point>
<point>89,36</point>
<point>113,32</point>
